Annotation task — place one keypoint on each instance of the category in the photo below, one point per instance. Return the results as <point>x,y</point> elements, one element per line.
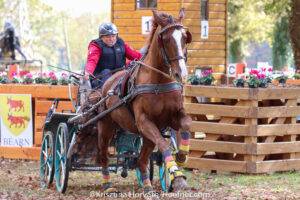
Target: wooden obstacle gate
<point>244,130</point>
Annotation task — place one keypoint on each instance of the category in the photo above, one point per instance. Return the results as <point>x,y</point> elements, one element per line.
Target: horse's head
<point>172,39</point>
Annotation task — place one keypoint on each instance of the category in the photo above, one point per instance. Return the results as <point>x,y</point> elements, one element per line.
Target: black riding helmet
<point>107,29</point>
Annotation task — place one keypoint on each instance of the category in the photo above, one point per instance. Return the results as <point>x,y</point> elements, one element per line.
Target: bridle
<point>168,60</point>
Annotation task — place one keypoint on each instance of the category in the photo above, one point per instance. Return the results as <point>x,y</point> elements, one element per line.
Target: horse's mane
<point>152,33</point>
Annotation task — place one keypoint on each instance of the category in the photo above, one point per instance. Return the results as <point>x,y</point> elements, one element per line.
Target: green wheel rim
<point>164,178</point>
<point>139,177</point>
<point>61,161</point>
<point>46,160</point>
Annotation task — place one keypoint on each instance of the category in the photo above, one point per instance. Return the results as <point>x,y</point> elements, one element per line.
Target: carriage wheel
<point>139,174</point>
<point>62,164</point>
<point>46,160</point>
<point>164,177</point>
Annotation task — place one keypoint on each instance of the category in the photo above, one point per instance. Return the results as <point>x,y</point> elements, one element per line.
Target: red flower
<point>261,76</point>
<point>23,73</point>
<point>254,72</point>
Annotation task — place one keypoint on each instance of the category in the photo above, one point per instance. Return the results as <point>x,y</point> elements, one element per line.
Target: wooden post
<point>251,141</point>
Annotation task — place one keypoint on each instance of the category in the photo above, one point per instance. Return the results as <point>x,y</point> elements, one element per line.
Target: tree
<point>248,22</point>
<point>281,44</point>
<point>295,31</point>
<point>48,31</point>
<point>282,49</point>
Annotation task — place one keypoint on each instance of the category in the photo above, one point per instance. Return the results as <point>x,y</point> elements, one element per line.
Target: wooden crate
<point>42,98</point>
<point>244,130</point>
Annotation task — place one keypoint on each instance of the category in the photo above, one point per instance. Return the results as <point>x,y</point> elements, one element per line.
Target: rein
<point>156,70</point>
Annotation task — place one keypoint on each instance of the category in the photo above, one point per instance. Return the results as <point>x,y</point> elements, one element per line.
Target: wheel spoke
<point>59,154</point>
<point>43,165</point>
<point>45,155</point>
<point>46,146</point>
<point>49,166</point>
<point>60,139</point>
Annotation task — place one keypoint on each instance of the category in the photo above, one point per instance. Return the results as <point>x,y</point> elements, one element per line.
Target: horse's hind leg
<point>105,135</point>
<point>150,131</point>
<point>143,161</point>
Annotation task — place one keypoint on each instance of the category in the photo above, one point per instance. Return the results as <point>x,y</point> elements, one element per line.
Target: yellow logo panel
<point>15,112</point>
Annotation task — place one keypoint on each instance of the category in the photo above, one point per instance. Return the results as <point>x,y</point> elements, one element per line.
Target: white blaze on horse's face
<point>177,35</point>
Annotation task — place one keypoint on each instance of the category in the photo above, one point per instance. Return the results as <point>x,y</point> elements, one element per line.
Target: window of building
<point>204,10</point>
<point>146,4</point>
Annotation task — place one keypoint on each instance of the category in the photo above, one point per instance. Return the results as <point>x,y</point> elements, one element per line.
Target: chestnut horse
<point>149,112</point>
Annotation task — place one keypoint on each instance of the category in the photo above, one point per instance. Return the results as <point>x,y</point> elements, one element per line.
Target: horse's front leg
<point>183,136</point>
<point>143,162</point>
<point>150,131</point>
<point>105,135</point>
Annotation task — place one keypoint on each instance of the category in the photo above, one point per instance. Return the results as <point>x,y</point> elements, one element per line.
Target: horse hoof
<point>149,193</point>
<point>179,184</point>
<point>108,189</point>
<point>181,159</point>
<point>148,189</point>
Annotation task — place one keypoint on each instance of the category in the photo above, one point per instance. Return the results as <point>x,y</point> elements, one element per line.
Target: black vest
<point>111,57</point>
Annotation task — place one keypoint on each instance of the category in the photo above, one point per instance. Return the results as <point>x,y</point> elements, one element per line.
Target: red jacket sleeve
<point>131,54</point>
<point>94,53</point>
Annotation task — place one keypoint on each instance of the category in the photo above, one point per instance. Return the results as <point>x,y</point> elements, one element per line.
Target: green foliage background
<point>250,21</point>
<point>259,21</point>
<point>48,31</point>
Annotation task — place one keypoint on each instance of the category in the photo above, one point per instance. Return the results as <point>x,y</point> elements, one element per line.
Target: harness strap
<point>156,88</point>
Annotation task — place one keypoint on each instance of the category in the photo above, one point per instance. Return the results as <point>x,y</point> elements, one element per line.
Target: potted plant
<point>297,76</point>
<point>15,78</point>
<point>64,79</point>
<point>207,77</point>
<point>282,79</point>
<point>239,82</point>
<point>253,81</point>
<point>3,78</point>
<point>40,78</point>
<point>27,79</point>
<point>194,79</point>
<point>52,79</point>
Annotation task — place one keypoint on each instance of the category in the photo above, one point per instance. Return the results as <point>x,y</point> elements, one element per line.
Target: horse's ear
<point>188,37</point>
<point>156,17</point>
<point>181,14</point>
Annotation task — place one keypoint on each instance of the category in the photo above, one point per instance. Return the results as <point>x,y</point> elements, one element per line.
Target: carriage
<point>58,133</point>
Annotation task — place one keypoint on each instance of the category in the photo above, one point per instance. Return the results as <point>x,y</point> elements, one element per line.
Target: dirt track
<point>20,180</point>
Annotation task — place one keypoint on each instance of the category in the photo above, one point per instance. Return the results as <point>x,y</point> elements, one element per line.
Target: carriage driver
<point>107,53</point>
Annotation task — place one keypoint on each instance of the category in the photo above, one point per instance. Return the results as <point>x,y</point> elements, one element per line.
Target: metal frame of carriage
<point>55,164</point>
